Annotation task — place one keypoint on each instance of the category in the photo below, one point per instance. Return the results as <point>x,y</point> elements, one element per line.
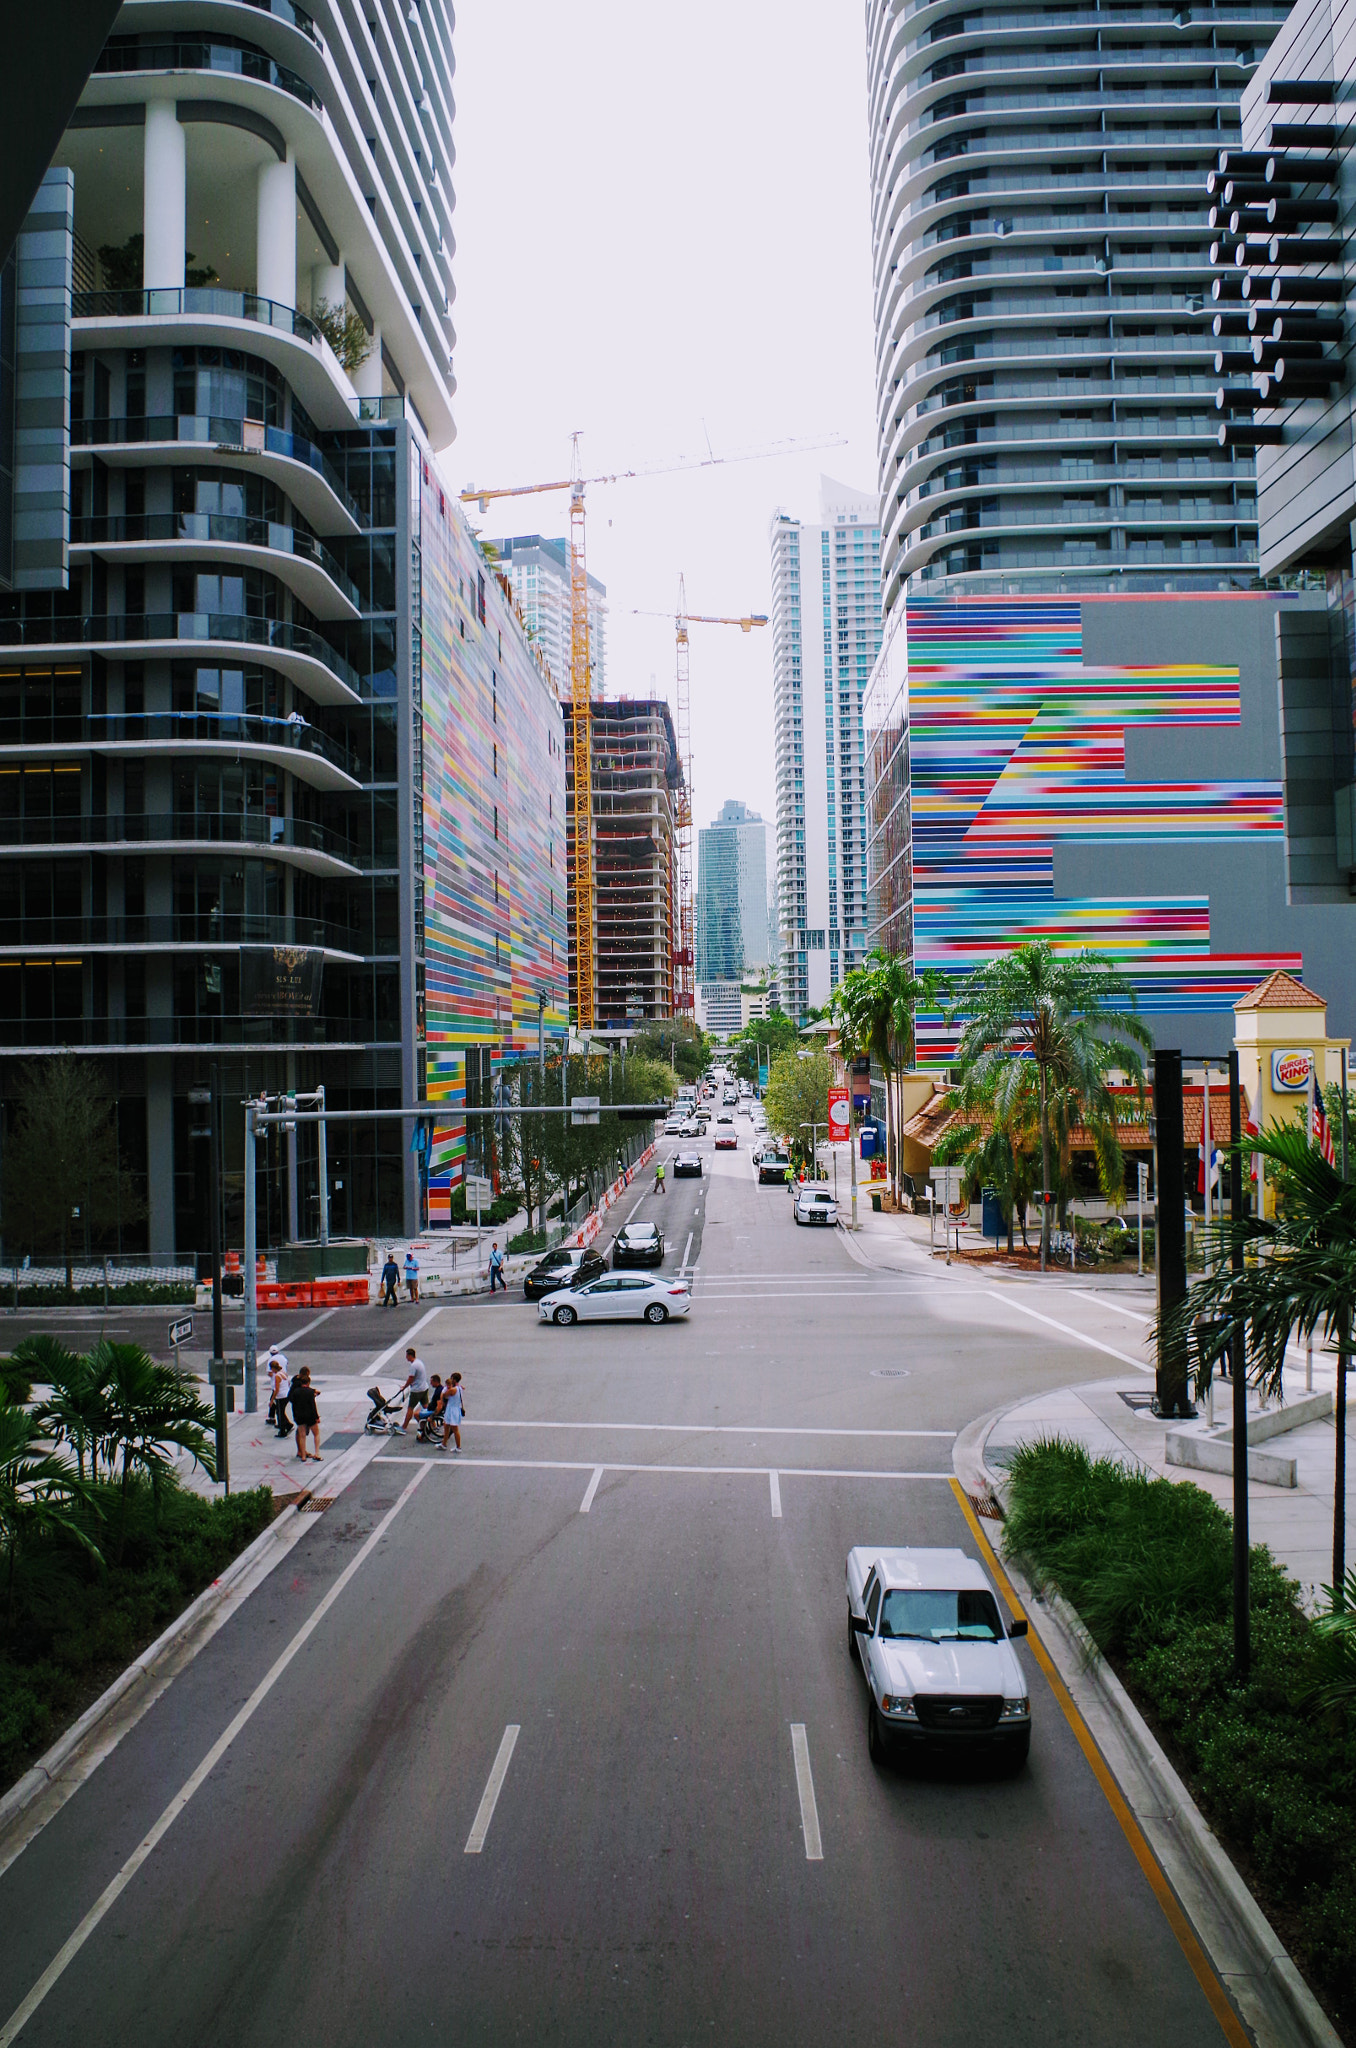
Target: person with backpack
<point>306,1414</point>
<point>390,1280</point>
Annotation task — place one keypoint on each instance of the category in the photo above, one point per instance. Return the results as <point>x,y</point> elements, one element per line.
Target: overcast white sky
<point>663,234</point>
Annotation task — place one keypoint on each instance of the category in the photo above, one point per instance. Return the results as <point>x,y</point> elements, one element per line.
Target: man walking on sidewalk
<point>411,1275</point>
<point>390,1281</point>
<point>497,1267</point>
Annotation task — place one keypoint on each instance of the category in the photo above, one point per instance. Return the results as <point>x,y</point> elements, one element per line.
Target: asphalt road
<point>613,1614</point>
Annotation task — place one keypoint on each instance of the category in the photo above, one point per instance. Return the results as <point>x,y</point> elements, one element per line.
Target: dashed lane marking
<point>480,1826</point>
<point>587,1502</point>
<point>748,1429</point>
<point>708,1471</point>
<point>774,1488</point>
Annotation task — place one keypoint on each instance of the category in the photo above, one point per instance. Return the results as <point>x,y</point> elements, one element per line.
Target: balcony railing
<point>233,627</point>
<point>215,526</point>
<point>283,10</point>
<point>207,928</point>
<point>206,1030</point>
<point>197,53</point>
<point>176,728</point>
<point>208,301</point>
<point>211,429</point>
<point>213,828</point>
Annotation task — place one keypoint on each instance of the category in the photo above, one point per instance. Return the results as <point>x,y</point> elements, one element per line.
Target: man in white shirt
<point>416,1379</point>
<point>279,1378</point>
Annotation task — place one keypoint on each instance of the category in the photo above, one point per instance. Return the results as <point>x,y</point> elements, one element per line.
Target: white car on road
<point>940,1666</point>
<point>618,1297</point>
<point>814,1203</point>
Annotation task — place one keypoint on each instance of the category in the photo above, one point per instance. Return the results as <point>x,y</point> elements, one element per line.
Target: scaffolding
<point>637,788</point>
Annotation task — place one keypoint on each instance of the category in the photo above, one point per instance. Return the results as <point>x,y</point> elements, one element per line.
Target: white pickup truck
<point>940,1667</point>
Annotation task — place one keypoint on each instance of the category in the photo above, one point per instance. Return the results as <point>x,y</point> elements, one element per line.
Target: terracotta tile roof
<point>1193,1113</point>
<point>927,1124</point>
<point>1281,991</point>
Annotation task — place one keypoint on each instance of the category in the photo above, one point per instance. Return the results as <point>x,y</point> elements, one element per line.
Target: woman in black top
<point>306,1414</point>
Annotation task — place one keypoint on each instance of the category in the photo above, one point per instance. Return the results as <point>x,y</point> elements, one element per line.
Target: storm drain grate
<point>890,1372</point>
<point>314,1503</point>
<point>984,1504</point>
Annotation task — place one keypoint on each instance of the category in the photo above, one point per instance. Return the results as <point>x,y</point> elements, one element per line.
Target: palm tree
<point>993,1138</point>
<point>39,1496</point>
<point>1305,1278</point>
<point>76,1410</point>
<point>150,1408</point>
<point>1050,1011</point>
<point>876,1006</point>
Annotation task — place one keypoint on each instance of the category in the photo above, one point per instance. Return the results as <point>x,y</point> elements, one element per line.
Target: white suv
<point>814,1203</point>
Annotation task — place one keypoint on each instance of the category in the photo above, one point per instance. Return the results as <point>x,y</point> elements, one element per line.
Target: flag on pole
<point>1320,1130</point>
<point>1252,1130</point>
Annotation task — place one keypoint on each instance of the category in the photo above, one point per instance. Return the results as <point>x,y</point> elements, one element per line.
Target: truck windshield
<point>934,1616</point>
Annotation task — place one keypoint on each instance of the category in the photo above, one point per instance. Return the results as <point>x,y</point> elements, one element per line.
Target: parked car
<point>939,1664</point>
<point>638,1244</point>
<point>687,1166</point>
<point>773,1165</point>
<point>814,1203</point>
<point>619,1296</point>
<point>564,1267</point>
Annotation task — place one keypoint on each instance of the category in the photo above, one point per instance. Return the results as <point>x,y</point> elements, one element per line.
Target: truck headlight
<point>895,1703</point>
<point>1016,1710</point>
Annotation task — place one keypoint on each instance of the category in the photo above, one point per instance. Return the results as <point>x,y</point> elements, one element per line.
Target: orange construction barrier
<point>339,1292</point>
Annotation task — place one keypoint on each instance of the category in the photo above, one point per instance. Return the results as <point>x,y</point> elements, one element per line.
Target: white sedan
<point>618,1297</point>
<point>940,1667</point>
<point>814,1203</point>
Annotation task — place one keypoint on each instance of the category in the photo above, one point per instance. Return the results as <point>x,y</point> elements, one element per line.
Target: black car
<point>565,1267</point>
<point>638,1244</point>
<point>687,1166</point>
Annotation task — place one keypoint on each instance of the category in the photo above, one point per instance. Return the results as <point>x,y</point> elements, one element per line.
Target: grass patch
<point>1148,1564</point>
<point>74,1627</point>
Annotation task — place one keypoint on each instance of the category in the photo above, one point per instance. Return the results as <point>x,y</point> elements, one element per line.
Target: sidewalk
<point>1111,1418</point>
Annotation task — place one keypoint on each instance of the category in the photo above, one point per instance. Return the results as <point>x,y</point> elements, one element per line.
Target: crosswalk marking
<point>805,1785</point>
<point>489,1799</point>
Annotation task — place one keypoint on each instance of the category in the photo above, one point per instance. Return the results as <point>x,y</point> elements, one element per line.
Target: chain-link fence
<point>123,1278</point>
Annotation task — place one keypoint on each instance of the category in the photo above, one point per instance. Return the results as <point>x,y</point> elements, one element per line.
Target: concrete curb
<point>1252,1962</point>
<point>77,1753</point>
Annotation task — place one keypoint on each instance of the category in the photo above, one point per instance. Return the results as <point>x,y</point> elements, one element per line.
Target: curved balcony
<point>308,754</point>
<point>308,568</point>
<point>294,651</point>
<point>309,478</point>
<point>32,937</point>
<point>223,56</point>
<point>298,842</point>
<point>208,316</point>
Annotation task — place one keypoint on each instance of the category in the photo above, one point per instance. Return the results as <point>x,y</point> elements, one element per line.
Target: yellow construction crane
<point>580,705</point>
<point>684,951</point>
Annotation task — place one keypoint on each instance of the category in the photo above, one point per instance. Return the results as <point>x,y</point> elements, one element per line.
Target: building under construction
<point>637,782</point>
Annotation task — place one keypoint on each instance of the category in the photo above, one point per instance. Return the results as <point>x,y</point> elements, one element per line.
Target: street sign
<point>479,1193</point>
<point>839,1116</point>
<point>584,1109</point>
<point>181,1331</point>
<point>226,1372</point>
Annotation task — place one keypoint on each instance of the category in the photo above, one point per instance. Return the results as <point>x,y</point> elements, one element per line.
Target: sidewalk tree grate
<point>1139,1402</point>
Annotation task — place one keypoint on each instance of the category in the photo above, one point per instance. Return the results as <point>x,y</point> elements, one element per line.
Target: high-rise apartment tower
<point>539,571</point>
<point>1044,356</point>
<point>826,633</point>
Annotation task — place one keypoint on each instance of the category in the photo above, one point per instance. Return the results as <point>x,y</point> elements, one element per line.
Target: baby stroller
<point>383,1417</point>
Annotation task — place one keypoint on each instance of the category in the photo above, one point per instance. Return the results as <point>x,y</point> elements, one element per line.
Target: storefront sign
<point>1290,1071</point>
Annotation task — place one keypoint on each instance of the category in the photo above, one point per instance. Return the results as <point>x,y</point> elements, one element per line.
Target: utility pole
<point>251,1261</point>
<point>1339,1509</point>
<point>1172,1393</point>
<point>323,1163</point>
<point>206,1098</point>
<point>1238,1370</point>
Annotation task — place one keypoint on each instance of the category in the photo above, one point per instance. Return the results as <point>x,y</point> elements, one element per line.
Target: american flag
<point>1320,1130</point>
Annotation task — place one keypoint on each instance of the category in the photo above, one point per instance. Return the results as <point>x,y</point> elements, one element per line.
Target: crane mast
<point>581,730</point>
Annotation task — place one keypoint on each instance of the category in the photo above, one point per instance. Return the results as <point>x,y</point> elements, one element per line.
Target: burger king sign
<point>1291,1071</point>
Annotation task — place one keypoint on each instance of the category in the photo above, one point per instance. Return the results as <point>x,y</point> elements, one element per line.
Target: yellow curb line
<point>1204,1971</point>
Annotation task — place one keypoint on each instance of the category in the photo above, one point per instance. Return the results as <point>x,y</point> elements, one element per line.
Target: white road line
<point>390,1352</point>
<point>112,1891</point>
<point>686,1249</point>
<point>707,1471</point>
<point>1103,1301</point>
<point>1067,1329</point>
<point>307,1328</point>
<point>774,1487</point>
<point>805,1785</point>
<point>480,1826</point>
<point>750,1429</point>
<point>587,1502</point>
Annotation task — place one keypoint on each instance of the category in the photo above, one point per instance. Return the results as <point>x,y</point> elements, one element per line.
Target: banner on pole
<point>839,1116</point>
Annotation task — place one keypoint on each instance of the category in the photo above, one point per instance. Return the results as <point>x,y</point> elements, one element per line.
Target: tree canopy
<point>798,1094</point>
<point>62,1170</point>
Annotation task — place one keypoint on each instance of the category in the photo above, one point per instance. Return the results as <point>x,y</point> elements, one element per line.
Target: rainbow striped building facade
<point>493,851</point>
<point>1041,773</point>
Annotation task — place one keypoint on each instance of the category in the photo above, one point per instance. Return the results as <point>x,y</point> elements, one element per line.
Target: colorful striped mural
<point>494,825</point>
<point>1016,746</point>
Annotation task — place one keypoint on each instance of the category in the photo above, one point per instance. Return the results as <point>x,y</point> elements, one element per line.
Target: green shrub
<point>1148,1563</point>
<point>130,1294</point>
<point>528,1241</point>
<point>77,1622</point>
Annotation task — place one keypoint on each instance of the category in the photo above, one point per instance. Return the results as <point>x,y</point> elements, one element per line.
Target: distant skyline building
<point>1044,351</point>
<point>826,634</point>
<point>732,932</point>
<point>538,570</point>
